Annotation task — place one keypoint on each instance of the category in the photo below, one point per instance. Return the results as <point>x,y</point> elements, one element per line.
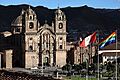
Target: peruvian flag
<point>89,39</point>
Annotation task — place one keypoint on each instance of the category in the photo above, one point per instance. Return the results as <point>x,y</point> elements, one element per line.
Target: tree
<point>77,67</point>
<point>66,67</point>
<point>110,67</point>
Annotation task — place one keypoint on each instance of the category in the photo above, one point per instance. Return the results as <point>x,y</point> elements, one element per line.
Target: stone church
<point>35,44</point>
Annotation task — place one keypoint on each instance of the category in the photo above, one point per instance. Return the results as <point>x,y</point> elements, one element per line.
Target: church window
<point>60,38</point>
<point>105,57</point>
<point>47,45</point>
<point>60,18</point>
<point>30,48</point>
<point>38,44</point>
<point>31,25</point>
<point>30,38</point>
<point>52,44</point>
<point>17,30</point>
<point>60,25</point>
<point>46,37</point>
<point>60,46</point>
<point>63,17</point>
<point>30,17</point>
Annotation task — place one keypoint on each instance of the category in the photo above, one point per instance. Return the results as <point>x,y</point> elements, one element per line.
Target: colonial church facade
<point>38,44</point>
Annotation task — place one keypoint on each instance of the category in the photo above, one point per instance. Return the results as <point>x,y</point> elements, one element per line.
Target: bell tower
<point>60,33</point>
<point>31,46</point>
<point>30,21</point>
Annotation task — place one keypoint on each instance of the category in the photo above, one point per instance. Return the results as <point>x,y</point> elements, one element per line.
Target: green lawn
<point>78,78</point>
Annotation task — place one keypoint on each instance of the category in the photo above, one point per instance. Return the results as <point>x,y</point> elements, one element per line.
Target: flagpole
<point>116,55</point>
<point>98,63</point>
<point>98,55</point>
<point>86,64</point>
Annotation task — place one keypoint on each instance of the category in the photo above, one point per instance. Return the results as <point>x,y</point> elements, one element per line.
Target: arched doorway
<point>46,58</point>
<point>46,61</point>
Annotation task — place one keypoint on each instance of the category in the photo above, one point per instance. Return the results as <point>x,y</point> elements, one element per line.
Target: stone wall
<point>7,59</point>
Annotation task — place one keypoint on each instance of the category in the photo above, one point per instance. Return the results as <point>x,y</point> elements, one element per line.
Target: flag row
<point>104,42</point>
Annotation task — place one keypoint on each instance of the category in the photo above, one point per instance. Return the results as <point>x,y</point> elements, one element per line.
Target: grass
<point>78,78</point>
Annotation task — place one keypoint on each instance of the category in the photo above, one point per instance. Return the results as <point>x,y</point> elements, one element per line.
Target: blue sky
<point>64,3</point>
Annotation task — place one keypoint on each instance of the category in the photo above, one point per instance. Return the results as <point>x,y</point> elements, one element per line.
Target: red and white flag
<point>93,38</point>
<point>89,39</point>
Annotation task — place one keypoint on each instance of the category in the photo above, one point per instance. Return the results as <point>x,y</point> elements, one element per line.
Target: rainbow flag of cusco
<point>109,40</point>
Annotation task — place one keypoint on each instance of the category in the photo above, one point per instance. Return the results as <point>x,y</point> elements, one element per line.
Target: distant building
<point>34,44</point>
<point>110,57</point>
<point>78,55</point>
<point>109,53</point>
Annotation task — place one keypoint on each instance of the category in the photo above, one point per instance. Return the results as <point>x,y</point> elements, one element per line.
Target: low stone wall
<point>7,75</point>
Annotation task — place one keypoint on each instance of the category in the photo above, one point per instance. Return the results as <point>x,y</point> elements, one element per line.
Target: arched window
<point>30,47</point>
<point>31,38</point>
<point>60,38</point>
<point>31,25</point>
<point>30,17</point>
<point>63,17</point>
<point>60,46</point>
<point>60,18</point>
<point>17,29</point>
<point>60,25</point>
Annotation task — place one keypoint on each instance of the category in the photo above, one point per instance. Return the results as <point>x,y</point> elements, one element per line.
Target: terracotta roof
<point>111,54</point>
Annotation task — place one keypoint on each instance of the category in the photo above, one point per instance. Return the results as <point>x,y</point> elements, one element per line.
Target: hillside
<point>80,20</point>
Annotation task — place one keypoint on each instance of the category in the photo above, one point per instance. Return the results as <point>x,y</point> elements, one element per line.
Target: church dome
<point>58,11</point>
<point>30,11</point>
<point>60,14</point>
<point>17,22</point>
